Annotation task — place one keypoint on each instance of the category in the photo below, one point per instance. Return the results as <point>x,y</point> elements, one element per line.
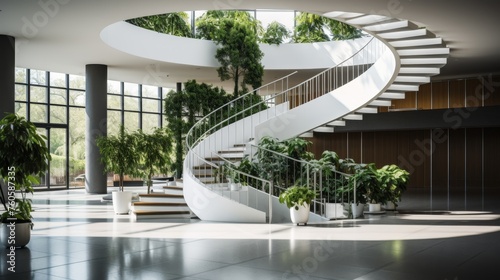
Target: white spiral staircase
<point>400,58</point>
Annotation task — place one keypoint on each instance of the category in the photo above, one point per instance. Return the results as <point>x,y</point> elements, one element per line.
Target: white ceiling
<point>63,35</point>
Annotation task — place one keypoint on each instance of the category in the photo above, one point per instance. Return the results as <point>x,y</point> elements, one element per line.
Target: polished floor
<point>76,236</point>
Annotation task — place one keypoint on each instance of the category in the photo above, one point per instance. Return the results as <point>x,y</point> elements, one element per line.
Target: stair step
<point>218,159</point>
<point>162,197</point>
<point>344,15</point>
<point>413,79</point>
<point>324,129</point>
<point>424,61</point>
<point>239,145</point>
<point>424,52</point>
<point>379,102</point>
<point>397,35</point>
<point>387,26</point>
<point>392,95</point>
<point>367,110</point>
<point>416,42</point>
<point>419,70</point>
<point>159,206</point>
<point>336,123</point>
<point>367,19</point>
<point>141,215</point>
<point>403,87</point>
<point>309,134</point>
<point>353,117</point>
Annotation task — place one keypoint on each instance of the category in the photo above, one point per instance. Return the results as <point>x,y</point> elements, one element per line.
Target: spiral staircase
<point>399,57</point>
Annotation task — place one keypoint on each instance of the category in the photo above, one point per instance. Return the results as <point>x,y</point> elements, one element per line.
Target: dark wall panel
<point>492,91</point>
<point>457,94</point>
<point>368,155</point>
<point>424,97</point>
<point>408,103</point>
<point>439,149</point>
<point>354,150</point>
<point>473,168</point>
<point>473,93</point>
<point>457,169</point>
<point>440,95</point>
<point>386,148</point>
<point>339,144</point>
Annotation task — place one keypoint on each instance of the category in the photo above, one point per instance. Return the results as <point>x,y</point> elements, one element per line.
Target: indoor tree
<point>275,34</point>
<point>172,23</point>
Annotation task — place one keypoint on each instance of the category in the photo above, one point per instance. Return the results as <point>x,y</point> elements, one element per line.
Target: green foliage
<point>393,180</point>
<point>172,23</point>
<point>275,34</point>
<point>23,156</point>
<point>184,108</point>
<point>235,32</point>
<point>118,154</point>
<point>297,195</point>
<point>312,28</point>
<point>154,150</point>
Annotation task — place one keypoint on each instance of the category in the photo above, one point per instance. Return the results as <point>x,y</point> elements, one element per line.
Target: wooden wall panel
<point>424,97</point>
<point>492,91</point>
<point>440,95</point>
<point>457,94</point>
<point>473,93</point>
<point>440,159</point>
<point>339,144</point>
<point>473,168</point>
<point>386,148</point>
<point>368,155</point>
<point>491,158</point>
<point>457,169</point>
<point>416,161</point>
<point>354,150</point>
<point>408,103</point>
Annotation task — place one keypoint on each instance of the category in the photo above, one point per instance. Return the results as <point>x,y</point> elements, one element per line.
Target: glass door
<point>56,176</point>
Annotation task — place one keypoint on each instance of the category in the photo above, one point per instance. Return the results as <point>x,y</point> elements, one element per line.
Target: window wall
<point>55,102</point>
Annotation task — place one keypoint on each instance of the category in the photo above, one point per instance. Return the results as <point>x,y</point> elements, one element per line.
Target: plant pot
<point>235,186</point>
<point>21,233</point>
<point>357,210</point>
<point>300,216</point>
<point>374,207</point>
<point>390,206</point>
<point>121,202</point>
<point>334,210</point>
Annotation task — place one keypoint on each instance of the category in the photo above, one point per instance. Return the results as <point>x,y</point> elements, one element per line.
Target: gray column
<point>7,69</point>
<point>95,125</point>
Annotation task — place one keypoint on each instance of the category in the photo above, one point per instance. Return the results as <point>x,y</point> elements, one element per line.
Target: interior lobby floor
<point>76,236</point>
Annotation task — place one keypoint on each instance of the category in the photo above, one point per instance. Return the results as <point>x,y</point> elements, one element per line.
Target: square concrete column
<point>96,100</point>
<point>7,76</point>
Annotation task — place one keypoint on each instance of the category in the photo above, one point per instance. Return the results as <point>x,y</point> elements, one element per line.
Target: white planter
<point>334,210</point>
<point>390,206</point>
<point>121,202</point>
<point>357,210</point>
<point>300,216</point>
<point>20,231</point>
<point>235,186</point>
<point>374,207</point>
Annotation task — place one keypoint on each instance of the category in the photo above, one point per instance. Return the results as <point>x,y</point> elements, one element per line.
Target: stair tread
<point>180,188</point>
<point>162,195</point>
<point>146,212</point>
<point>145,203</point>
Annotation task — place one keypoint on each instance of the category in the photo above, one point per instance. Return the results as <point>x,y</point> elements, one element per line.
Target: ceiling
<point>64,35</point>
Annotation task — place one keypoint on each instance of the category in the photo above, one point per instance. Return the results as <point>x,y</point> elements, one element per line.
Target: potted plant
<point>357,199</point>
<point>368,180</point>
<point>154,150</point>
<point>119,155</point>
<point>23,157</point>
<point>393,182</point>
<point>298,198</point>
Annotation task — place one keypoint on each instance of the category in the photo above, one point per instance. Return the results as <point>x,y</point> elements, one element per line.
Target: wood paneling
<point>457,94</point>
<point>368,155</point>
<point>457,169</point>
<point>492,91</point>
<point>473,93</point>
<point>408,103</point>
<point>354,150</point>
<point>339,144</point>
<point>440,95</point>
<point>491,158</point>
<point>424,97</point>
<point>386,148</point>
<point>473,168</point>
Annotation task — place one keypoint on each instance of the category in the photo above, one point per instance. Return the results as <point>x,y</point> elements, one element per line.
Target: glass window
<point>131,103</point>
<point>20,93</point>
<point>20,109</point>
<point>77,98</point>
<point>38,113</point>
<point>150,91</point>
<point>114,87</point>
<point>38,77</point>
<point>114,102</point>
<point>58,114</point>
<point>38,94</point>
<point>131,89</point>
<point>114,121</point>
<point>20,75</point>
<point>150,122</point>
<point>149,105</point>
<point>76,130</point>
<point>131,121</point>
<point>76,82</point>
<point>57,79</point>
<point>58,96</point>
